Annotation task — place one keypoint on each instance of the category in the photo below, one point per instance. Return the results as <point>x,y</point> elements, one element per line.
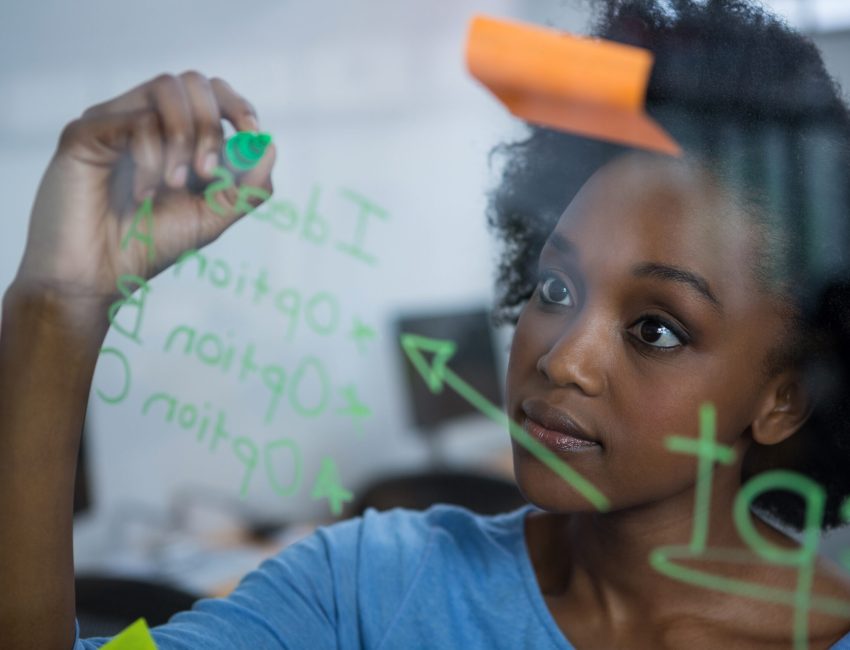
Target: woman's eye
<point>555,291</point>
<point>655,333</point>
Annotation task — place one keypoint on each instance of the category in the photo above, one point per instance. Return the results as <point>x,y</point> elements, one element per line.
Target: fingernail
<point>210,162</point>
<point>178,176</point>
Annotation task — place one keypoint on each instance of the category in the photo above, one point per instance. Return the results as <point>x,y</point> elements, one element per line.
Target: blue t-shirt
<point>444,578</point>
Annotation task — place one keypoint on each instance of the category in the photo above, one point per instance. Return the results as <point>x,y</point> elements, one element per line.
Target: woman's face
<point>646,307</point>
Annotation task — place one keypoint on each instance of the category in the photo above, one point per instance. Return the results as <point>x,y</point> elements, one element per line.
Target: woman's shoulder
<point>409,532</point>
<point>396,541</point>
<point>401,545</point>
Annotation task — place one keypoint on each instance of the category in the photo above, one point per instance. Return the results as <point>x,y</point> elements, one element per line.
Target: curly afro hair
<point>750,99</point>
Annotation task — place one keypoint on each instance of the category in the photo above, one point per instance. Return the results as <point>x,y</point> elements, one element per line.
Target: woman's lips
<point>555,428</point>
<point>556,440</point>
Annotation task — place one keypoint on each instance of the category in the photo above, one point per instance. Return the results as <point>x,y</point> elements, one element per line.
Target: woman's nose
<point>578,357</point>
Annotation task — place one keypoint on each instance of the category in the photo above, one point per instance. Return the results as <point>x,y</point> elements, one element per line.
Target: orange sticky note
<point>587,86</point>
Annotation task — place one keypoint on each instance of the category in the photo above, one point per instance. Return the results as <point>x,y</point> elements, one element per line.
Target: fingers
<point>135,99</point>
<point>146,152</point>
<point>177,111</point>
<point>179,136</point>
<point>191,108</point>
<point>101,141</point>
<point>171,102</point>
<point>207,117</point>
<point>234,108</point>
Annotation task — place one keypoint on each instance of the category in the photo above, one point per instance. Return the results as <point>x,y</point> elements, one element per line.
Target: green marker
<point>244,150</point>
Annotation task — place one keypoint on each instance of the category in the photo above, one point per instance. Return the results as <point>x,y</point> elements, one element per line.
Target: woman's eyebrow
<point>676,274</point>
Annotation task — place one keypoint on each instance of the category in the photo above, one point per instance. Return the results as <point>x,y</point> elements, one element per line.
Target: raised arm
<point>160,141</point>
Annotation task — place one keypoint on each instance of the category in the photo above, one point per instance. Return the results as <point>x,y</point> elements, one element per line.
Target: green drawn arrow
<point>437,374</point>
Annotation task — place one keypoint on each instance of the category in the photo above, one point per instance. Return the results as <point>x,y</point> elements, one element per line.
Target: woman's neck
<point>599,562</point>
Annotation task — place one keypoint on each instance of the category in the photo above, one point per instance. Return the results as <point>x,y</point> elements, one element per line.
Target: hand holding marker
<point>85,252</point>
<point>242,151</point>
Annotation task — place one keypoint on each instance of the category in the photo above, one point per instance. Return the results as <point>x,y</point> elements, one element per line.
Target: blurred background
<point>377,227</point>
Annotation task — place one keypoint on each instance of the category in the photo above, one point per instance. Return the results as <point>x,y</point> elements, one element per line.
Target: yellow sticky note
<point>588,86</point>
<point>135,637</point>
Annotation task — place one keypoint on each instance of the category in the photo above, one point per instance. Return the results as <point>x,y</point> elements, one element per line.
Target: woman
<point>665,284</point>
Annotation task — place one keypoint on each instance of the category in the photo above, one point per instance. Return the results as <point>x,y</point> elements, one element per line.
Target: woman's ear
<point>786,405</point>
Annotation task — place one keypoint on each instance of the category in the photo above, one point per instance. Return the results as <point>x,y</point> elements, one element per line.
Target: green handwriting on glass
<point>210,428</point>
<point>309,224</point>
<point>319,312</point>
<point>220,352</point>
<point>281,458</point>
<point>307,390</point>
<point>760,550</point>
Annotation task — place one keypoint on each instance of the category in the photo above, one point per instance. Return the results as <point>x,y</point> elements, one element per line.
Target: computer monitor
<point>474,361</point>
